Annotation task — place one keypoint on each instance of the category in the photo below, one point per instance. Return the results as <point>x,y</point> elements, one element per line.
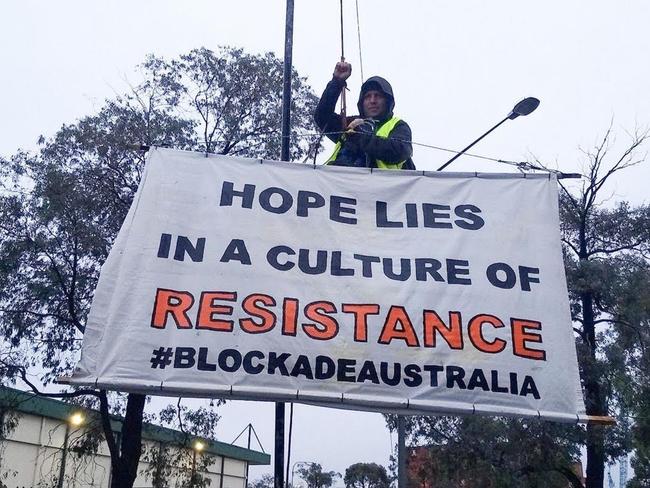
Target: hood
<point>378,83</point>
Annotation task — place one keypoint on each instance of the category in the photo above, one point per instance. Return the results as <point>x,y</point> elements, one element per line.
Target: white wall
<point>31,457</point>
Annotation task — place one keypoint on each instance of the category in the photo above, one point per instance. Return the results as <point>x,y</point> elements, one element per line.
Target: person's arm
<point>325,115</point>
<point>394,149</point>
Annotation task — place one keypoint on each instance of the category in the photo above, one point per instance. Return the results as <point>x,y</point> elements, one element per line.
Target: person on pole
<point>373,139</point>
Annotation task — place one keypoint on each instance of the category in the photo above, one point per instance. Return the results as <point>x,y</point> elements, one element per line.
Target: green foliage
<point>314,476</point>
<point>366,475</point>
<point>62,205</point>
<point>61,208</point>
<point>606,249</point>
<point>499,452</point>
<point>266,481</point>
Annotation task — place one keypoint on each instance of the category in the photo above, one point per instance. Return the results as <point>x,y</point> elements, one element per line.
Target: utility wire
<point>521,165</point>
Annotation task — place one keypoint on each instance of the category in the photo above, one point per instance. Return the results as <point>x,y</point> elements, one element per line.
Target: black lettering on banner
<point>345,370</point>
<point>366,266</point>
<point>236,251</point>
<point>526,277</point>
<point>302,368</point>
<point>248,365</point>
<point>229,360</point>
<point>286,200</point>
<point>273,255</point>
<point>478,380</point>
<point>468,218</point>
<point>455,374</point>
<point>325,368</point>
<point>411,215</point>
<point>456,269</point>
<point>368,372</point>
<point>165,245</point>
<point>277,361</point>
<point>228,192</point>
<point>433,370</point>
<point>337,208</point>
<point>336,268</point>
<point>513,383</point>
<point>305,266</point>
<point>203,364</point>
<point>529,387</point>
<point>405,269</point>
<point>382,216</point>
<point>307,200</point>
<point>432,218</point>
<point>495,383</point>
<point>428,267</point>
<point>507,282</point>
<point>184,357</point>
<point>383,371</point>
<point>184,246</point>
<point>412,376</point>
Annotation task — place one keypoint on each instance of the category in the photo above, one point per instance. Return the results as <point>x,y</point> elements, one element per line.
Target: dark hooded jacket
<point>363,148</point>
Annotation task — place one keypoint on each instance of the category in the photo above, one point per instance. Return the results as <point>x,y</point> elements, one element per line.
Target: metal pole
<point>248,446</point>
<point>286,91</point>
<point>463,151</point>
<point>64,456</point>
<point>289,446</point>
<point>401,452</point>
<point>284,156</point>
<point>193,473</point>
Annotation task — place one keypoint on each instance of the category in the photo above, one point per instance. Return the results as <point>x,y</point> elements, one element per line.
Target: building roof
<point>29,403</point>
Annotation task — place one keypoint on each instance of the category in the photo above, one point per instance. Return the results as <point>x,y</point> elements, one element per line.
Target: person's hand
<point>342,70</point>
<point>354,124</point>
<point>361,126</point>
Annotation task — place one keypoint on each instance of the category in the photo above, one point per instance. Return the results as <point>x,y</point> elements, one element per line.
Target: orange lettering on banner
<point>208,309</point>
<point>520,336</point>
<point>397,315</point>
<point>475,330</point>
<point>453,334</point>
<point>290,316</point>
<point>325,327</point>
<point>361,312</point>
<point>251,307</point>
<point>174,303</point>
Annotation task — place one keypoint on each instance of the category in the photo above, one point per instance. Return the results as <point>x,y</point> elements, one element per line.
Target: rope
<point>344,119</point>
<point>359,41</point>
<point>342,45</point>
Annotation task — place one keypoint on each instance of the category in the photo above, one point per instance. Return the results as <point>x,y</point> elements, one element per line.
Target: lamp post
<point>75,420</point>
<point>198,446</point>
<point>525,107</point>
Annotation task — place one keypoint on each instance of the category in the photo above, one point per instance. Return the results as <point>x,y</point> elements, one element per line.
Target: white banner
<point>395,291</point>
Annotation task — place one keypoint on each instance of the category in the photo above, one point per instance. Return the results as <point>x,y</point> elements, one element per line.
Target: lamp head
<point>76,419</point>
<point>525,107</point>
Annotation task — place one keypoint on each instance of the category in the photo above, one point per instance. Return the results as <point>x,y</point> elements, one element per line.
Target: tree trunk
<point>595,472</point>
<point>126,468</point>
<point>595,457</point>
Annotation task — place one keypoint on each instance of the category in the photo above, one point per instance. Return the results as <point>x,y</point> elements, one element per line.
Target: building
<point>47,442</point>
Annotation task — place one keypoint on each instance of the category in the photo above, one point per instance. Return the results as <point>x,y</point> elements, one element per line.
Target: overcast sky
<point>457,67</point>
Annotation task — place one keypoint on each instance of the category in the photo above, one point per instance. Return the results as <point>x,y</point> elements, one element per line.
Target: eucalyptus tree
<point>62,205</point>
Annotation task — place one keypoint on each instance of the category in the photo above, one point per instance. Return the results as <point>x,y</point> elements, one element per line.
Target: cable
<point>359,40</point>
<point>522,165</point>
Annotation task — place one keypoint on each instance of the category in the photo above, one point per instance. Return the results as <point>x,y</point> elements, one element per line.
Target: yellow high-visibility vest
<point>383,131</point>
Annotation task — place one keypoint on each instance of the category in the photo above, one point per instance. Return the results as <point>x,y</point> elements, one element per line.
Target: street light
<point>76,419</point>
<point>525,107</point>
<point>198,446</point>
